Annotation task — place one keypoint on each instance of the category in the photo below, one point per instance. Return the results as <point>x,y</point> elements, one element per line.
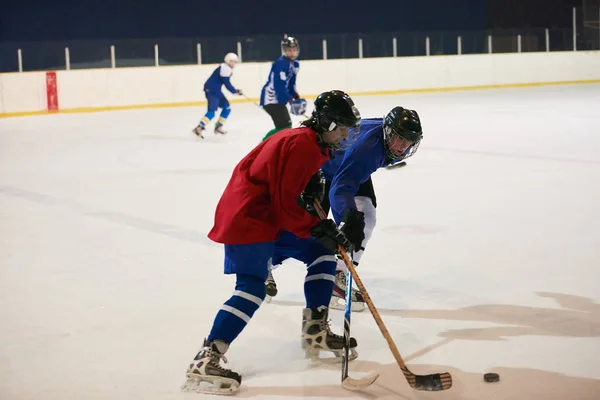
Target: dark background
<point>42,29</point>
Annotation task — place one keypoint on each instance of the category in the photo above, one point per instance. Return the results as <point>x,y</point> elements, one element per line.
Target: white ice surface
<point>486,253</point>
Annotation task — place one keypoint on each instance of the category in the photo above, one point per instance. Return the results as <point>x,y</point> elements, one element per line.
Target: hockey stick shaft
<point>259,106</point>
<point>432,382</point>
<point>255,103</point>
<point>347,314</point>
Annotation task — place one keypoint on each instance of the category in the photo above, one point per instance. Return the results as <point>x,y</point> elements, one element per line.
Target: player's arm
<point>280,71</point>
<point>298,166</point>
<point>225,75</point>
<point>356,167</point>
<point>299,187</point>
<point>292,87</point>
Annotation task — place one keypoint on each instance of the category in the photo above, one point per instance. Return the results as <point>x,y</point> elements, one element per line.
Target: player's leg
<point>225,111</point>
<point>249,263</point>
<point>274,262</point>
<point>366,202</point>
<point>213,105</point>
<point>280,116</point>
<point>318,285</point>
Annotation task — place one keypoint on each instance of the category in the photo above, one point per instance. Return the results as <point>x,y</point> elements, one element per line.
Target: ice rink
<point>485,257</point>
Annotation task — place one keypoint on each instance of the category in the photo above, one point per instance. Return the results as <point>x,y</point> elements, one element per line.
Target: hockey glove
<point>314,190</point>
<point>330,236</point>
<point>239,91</point>
<point>353,227</point>
<point>298,106</point>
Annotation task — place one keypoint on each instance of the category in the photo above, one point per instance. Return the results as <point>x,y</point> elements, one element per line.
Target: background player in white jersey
<point>280,88</point>
<point>215,97</point>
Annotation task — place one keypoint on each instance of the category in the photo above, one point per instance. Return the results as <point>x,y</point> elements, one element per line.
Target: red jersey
<point>260,198</point>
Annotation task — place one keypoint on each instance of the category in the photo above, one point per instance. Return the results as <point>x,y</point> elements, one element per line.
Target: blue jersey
<point>220,76</point>
<point>353,167</point>
<point>281,84</point>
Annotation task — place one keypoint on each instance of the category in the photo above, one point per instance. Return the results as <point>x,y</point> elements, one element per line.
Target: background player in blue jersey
<point>381,142</point>
<point>216,99</point>
<point>280,88</point>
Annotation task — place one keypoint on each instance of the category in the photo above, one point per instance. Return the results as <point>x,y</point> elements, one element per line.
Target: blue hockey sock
<point>224,115</point>
<point>210,114</point>
<point>233,316</point>
<point>318,284</point>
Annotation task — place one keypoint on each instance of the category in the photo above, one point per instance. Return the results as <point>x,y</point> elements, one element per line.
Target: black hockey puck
<point>491,377</point>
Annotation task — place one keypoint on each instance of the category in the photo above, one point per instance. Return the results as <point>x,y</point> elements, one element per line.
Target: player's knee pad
<point>225,112</point>
<point>252,285</point>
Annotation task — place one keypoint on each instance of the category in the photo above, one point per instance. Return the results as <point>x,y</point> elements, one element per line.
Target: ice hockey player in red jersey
<point>272,190</point>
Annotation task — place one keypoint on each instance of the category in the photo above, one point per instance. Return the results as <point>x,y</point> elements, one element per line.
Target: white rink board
<point>98,89</point>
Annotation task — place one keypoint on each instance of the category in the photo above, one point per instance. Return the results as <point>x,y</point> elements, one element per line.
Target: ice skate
<point>205,374</point>
<point>198,131</point>
<point>338,297</point>
<point>317,337</point>
<point>219,129</point>
<point>271,287</point>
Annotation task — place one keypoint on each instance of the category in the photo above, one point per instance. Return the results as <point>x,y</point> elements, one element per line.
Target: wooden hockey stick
<point>432,382</point>
<point>347,381</point>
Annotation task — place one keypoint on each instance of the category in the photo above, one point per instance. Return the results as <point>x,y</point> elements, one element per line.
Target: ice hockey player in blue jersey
<point>381,142</point>
<point>215,97</point>
<point>280,88</point>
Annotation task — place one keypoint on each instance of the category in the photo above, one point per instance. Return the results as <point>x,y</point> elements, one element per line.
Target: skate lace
<point>326,326</point>
<point>340,280</point>
<point>270,278</point>
<point>215,357</point>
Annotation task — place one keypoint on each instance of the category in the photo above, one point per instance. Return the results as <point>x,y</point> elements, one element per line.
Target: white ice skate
<point>271,287</point>
<point>205,374</point>
<point>198,131</point>
<point>317,337</point>
<point>338,297</point>
<point>219,129</point>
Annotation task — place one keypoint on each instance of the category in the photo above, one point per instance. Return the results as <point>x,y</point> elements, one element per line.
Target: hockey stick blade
<point>396,166</point>
<point>430,383</point>
<point>348,382</point>
<point>355,384</point>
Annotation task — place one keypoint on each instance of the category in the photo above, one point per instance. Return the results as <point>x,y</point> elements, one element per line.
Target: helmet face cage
<point>388,134</point>
<point>329,122</point>
<point>345,143</point>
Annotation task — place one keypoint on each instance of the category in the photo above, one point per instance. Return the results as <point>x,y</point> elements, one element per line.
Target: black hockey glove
<point>330,236</point>
<point>314,190</point>
<point>353,227</point>
<point>239,91</point>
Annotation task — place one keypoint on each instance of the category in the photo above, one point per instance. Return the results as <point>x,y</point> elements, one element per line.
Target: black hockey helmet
<point>406,124</point>
<point>289,42</point>
<point>332,109</point>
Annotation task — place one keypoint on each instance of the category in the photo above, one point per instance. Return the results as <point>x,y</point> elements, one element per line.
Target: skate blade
<point>197,135</point>
<point>268,299</point>
<point>314,355</point>
<point>337,303</point>
<point>356,384</point>
<point>210,385</point>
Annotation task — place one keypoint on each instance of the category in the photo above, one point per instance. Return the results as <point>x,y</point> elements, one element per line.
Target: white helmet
<point>229,57</point>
